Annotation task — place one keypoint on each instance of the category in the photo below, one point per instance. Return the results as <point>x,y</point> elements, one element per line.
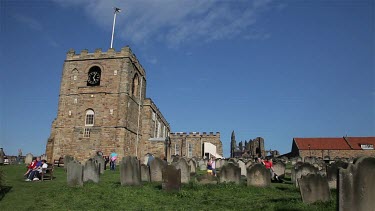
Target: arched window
<point>89,120</point>
<point>74,74</point>
<point>135,86</point>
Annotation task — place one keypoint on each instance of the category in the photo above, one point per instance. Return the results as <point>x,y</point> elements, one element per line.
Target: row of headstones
<point>279,167</point>
<point>29,158</point>
<point>355,183</point>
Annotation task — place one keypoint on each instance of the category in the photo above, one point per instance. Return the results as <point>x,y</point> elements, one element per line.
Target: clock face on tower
<point>93,77</point>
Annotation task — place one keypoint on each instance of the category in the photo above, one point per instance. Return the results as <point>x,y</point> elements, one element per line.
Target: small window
<point>190,152</point>
<point>86,133</point>
<point>135,87</point>
<point>176,149</point>
<point>89,118</point>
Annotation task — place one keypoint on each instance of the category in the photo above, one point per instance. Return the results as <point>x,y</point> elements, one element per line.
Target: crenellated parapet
<point>98,54</point>
<point>196,134</point>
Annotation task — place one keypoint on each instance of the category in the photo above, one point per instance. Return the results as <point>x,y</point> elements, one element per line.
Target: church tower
<point>100,105</point>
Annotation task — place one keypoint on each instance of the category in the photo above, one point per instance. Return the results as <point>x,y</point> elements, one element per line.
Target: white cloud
<point>175,22</point>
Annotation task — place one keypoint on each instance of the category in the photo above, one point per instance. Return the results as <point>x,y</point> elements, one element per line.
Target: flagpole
<point>114,22</point>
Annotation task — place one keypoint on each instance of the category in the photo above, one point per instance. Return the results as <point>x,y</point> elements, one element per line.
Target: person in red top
<point>30,167</point>
<point>268,164</point>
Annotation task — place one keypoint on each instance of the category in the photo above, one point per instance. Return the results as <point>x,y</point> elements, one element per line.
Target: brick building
<point>347,147</point>
<point>103,107</point>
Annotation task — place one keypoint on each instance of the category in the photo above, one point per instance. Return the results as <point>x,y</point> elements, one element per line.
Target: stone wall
<point>336,153</point>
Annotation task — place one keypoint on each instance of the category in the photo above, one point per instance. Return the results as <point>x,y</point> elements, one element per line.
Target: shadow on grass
<point>4,190</point>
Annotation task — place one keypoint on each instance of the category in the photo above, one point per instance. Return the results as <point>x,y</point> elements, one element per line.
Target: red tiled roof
<point>321,143</point>
<point>355,142</point>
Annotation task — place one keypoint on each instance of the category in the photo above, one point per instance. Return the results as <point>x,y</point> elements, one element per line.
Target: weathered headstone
<point>207,179</point>
<point>130,171</point>
<point>171,178</point>
<point>156,169</point>
<point>203,167</point>
<point>313,188</point>
<point>74,174</point>
<point>100,161</point>
<point>242,165</point>
<point>279,169</point>
<point>304,170</point>
<point>29,158</point>
<point>230,173</point>
<point>310,160</point>
<point>185,169</point>
<point>248,164</point>
<point>43,157</point>
<point>91,171</point>
<point>293,171</point>
<point>193,166</point>
<point>145,173</point>
<point>333,171</point>
<point>356,186</point>
<point>218,163</point>
<point>258,175</point>
<point>67,160</point>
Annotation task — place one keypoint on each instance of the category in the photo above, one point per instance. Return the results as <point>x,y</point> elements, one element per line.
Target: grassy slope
<point>110,195</point>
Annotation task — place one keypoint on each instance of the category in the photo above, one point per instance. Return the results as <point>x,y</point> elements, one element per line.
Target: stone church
<point>103,107</point>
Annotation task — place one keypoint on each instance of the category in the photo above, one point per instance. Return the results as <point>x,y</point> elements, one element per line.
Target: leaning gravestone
<point>130,171</point>
<point>279,169</point>
<point>356,186</point>
<point>258,175</point>
<point>230,173</point>
<point>99,160</point>
<point>185,169</point>
<point>156,169</point>
<point>74,174</point>
<point>193,166</point>
<point>29,158</point>
<point>171,178</point>
<point>293,171</point>
<point>313,188</point>
<point>145,173</point>
<point>67,160</point>
<point>304,170</point>
<point>333,171</point>
<point>91,171</point>
<point>248,164</point>
<point>242,165</point>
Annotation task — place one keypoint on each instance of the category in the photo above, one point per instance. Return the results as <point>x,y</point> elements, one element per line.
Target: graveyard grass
<point>108,194</point>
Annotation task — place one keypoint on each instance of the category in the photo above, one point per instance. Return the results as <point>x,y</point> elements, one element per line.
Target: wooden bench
<point>48,175</point>
<point>59,162</point>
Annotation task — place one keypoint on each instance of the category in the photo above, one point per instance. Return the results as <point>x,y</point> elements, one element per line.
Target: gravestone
<point>145,173</point>
<point>185,169</point>
<point>74,174</point>
<point>207,179</point>
<point>91,171</point>
<point>29,158</point>
<point>193,166</point>
<point>313,188</point>
<point>130,171</point>
<point>258,175</point>
<point>203,167</point>
<point>222,163</point>
<point>242,165</point>
<point>310,160</point>
<point>171,178</point>
<point>248,164</point>
<point>100,161</point>
<point>2,154</point>
<point>356,186</point>
<point>156,169</point>
<point>303,170</point>
<point>299,159</point>
<point>233,160</point>
<point>279,169</point>
<point>230,173</point>
<point>333,171</point>
<point>284,159</point>
<point>293,171</point>
<point>67,160</point>
<point>218,163</point>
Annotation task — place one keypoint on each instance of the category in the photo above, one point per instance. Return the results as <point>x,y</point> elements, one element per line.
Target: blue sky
<point>269,68</point>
